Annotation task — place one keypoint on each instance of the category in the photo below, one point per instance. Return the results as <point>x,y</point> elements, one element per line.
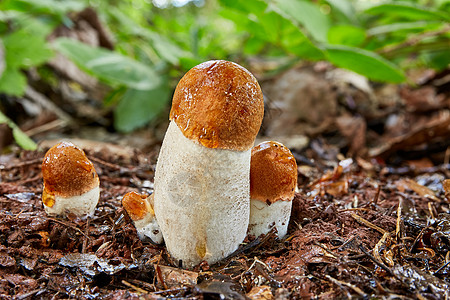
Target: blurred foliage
<point>156,45</point>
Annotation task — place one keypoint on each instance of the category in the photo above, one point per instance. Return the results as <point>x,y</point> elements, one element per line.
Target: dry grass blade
<point>368,224</point>
<point>349,285</point>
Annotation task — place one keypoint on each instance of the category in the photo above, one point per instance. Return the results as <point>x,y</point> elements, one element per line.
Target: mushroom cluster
<point>210,185</point>
<point>71,184</point>
<point>202,192</point>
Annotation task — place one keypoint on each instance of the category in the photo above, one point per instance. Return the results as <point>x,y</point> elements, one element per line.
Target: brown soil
<point>363,230</point>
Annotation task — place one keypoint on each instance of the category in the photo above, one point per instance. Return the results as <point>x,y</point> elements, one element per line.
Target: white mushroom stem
<point>202,198</point>
<point>148,228</point>
<point>80,205</point>
<point>264,217</point>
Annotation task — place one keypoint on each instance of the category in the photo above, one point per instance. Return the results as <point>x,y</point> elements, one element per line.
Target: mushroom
<point>71,184</point>
<point>202,192</point>
<point>273,182</point>
<point>140,210</point>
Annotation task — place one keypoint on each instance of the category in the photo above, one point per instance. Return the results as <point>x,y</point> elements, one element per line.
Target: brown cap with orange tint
<point>219,104</point>
<point>136,205</point>
<point>67,171</point>
<point>273,173</point>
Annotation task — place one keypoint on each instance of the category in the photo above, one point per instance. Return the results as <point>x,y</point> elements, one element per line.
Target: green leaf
<point>23,140</point>
<point>53,7</point>
<point>165,48</point>
<point>346,35</point>
<point>345,7</point>
<point>13,82</point>
<point>306,14</point>
<point>109,66</point>
<point>407,10</point>
<point>404,26</point>
<point>365,63</point>
<point>438,60</point>
<point>19,136</point>
<point>139,107</point>
<point>25,50</point>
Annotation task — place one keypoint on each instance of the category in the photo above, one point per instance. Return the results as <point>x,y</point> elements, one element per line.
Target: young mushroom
<point>140,210</point>
<point>273,181</point>
<point>71,184</point>
<point>202,191</point>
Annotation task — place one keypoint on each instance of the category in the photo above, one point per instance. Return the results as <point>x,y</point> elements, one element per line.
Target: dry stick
<point>376,249</point>
<point>46,127</point>
<point>184,288</point>
<point>142,283</point>
<point>368,224</point>
<point>68,225</point>
<point>21,164</point>
<point>398,229</point>
<point>377,195</point>
<point>47,104</point>
<point>160,277</point>
<point>417,239</point>
<point>30,293</point>
<point>438,270</point>
<point>83,249</point>
<point>136,288</point>
<point>349,285</point>
<point>105,163</point>
<point>432,209</point>
<point>376,261</point>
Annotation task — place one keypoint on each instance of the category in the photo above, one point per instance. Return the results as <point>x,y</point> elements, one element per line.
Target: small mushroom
<point>273,182</point>
<point>71,184</point>
<point>140,210</point>
<point>202,190</point>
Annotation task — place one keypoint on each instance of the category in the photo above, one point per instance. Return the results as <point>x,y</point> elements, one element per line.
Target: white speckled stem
<point>82,205</point>
<point>202,198</point>
<point>263,217</point>
<point>148,228</point>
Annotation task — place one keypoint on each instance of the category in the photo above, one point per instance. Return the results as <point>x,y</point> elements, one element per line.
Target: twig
<point>376,197</point>
<point>376,249</point>
<point>160,277</point>
<point>171,290</point>
<point>29,294</point>
<point>46,127</point>
<point>83,250</point>
<point>349,285</point>
<point>105,163</point>
<point>68,225</point>
<point>441,268</point>
<point>376,261</point>
<point>136,288</point>
<point>398,230</point>
<point>21,164</point>
<point>47,104</point>
<point>368,224</point>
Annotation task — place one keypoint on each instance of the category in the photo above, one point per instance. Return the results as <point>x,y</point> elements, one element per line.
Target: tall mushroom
<point>202,175</point>
<point>140,210</point>
<point>70,181</point>
<point>273,180</point>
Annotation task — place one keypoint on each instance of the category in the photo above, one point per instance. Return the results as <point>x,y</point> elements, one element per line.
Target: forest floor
<point>362,229</point>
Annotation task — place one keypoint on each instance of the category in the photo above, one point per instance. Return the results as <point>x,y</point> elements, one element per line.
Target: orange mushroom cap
<point>67,171</point>
<point>136,205</point>
<point>219,104</point>
<point>273,173</point>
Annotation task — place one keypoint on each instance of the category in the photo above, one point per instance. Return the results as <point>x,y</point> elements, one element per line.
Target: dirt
<point>360,229</point>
